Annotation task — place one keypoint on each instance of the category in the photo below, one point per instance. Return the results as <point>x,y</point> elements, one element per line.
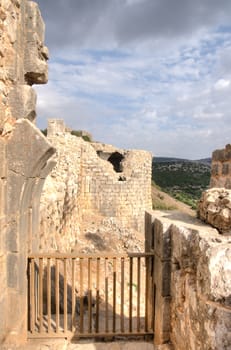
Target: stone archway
<point>26,167</point>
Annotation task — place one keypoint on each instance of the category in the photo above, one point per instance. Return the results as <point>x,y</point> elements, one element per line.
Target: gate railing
<point>90,295</point>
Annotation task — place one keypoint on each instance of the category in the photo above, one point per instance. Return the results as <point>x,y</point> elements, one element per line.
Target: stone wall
<point>84,181</point>
<point>24,157</point>
<point>193,282</point>
<point>215,204</point>
<point>221,168</point>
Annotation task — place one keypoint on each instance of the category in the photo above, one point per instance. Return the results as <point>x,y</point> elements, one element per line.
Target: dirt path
<point>166,202</point>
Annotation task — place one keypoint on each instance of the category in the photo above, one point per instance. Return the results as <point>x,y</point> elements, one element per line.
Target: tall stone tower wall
<point>92,177</point>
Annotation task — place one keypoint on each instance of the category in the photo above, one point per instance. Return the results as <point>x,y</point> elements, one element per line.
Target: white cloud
<point>222,84</point>
<point>166,91</point>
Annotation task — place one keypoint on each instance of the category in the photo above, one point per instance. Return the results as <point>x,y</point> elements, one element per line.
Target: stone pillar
<point>158,240</point>
<point>162,280</point>
<point>25,166</point>
<point>24,156</point>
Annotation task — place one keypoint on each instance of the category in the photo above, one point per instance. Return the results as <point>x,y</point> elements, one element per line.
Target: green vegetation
<point>44,131</point>
<point>162,206</point>
<point>79,133</point>
<point>182,179</point>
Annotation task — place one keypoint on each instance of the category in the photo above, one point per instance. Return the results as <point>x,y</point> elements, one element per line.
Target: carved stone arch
<point>27,167</point>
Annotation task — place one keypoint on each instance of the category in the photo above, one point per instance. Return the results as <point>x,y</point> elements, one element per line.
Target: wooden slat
<point>69,335</point>
<point>73,297</point>
<point>89,295</point>
<point>49,295</point>
<point>97,294</point>
<point>40,295</point>
<point>85,280</point>
<point>86,256</point>
<point>130,292</point>
<point>65,295</point>
<point>138,294</point>
<point>111,334</point>
<point>57,318</point>
<point>81,296</point>
<point>106,296</point>
<point>122,297</point>
<point>146,293</point>
<point>150,293</point>
<point>114,296</point>
<point>32,295</point>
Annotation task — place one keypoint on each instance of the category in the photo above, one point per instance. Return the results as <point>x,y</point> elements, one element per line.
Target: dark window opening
<point>115,159</point>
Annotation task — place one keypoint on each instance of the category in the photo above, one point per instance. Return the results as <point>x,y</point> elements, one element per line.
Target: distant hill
<point>183,179</point>
<point>180,160</point>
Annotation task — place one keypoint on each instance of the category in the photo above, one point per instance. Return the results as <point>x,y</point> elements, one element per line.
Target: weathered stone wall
<point>83,181</point>
<point>24,155</point>
<point>221,168</point>
<point>193,282</point>
<point>22,60</point>
<point>215,204</point>
<point>215,208</point>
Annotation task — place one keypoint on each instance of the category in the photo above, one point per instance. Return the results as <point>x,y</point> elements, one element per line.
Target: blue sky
<point>145,74</point>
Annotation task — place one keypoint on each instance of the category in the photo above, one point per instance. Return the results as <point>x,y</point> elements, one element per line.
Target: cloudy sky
<point>146,74</point>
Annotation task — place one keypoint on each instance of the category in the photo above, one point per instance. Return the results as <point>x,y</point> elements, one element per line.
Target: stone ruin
<point>91,177</point>
<point>215,204</point>
<point>192,260</point>
<point>24,157</point>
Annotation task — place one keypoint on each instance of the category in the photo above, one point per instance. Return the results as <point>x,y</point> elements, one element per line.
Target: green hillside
<point>183,179</point>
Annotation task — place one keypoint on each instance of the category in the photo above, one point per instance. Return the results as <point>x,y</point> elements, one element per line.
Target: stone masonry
<point>192,279</point>
<point>215,204</point>
<point>221,168</point>
<point>91,177</point>
<point>192,271</point>
<point>24,157</point>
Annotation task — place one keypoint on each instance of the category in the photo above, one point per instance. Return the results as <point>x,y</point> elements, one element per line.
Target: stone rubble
<point>215,208</point>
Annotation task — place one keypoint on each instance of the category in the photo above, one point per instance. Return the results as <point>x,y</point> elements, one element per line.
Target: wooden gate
<point>90,295</point>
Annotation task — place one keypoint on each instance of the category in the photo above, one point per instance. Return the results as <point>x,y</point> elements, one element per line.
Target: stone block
<point>3,194</point>
<point>35,22</point>
<point>162,320</point>
<point>215,208</point>
<point>162,239</point>
<point>35,150</point>
<point>36,54</point>
<point>12,236</point>
<point>3,274</point>
<point>16,318</point>
<point>3,308</point>
<point>15,184</point>
<point>162,276</point>
<point>225,169</point>
<point>12,271</point>
<point>228,183</point>
<point>23,101</point>
<point>2,159</point>
<point>219,155</point>
<point>218,287</point>
<point>149,235</point>
<point>215,169</point>
<point>183,241</point>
